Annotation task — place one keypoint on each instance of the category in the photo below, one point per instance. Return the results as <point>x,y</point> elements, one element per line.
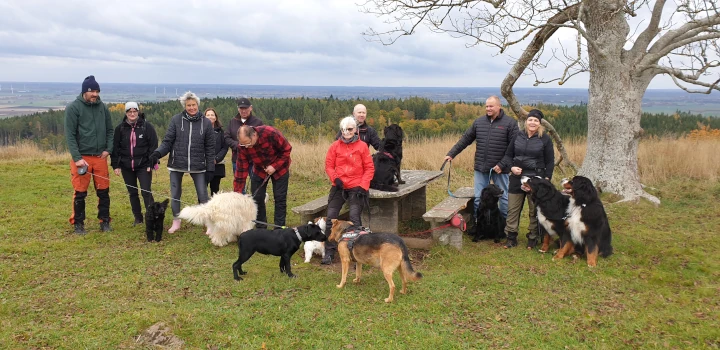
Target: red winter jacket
<point>350,162</point>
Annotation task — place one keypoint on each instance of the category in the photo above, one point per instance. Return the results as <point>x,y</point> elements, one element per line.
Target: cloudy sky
<point>284,42</point>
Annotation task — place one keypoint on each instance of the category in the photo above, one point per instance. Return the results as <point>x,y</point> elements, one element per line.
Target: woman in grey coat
<point>190,140</point>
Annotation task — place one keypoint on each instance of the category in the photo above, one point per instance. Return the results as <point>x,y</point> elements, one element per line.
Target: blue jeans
<point>482,179</point>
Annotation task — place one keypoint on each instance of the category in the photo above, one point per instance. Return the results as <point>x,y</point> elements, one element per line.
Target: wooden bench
<point>316,208</point>
<point>441,214</point>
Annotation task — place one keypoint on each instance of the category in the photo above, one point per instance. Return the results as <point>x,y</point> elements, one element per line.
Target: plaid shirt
<point>272,148</point>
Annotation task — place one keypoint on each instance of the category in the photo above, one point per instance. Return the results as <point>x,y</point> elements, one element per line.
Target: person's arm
<point>230,139</point>
<point>220,155</point>
<point>465,140</point>
<point>373,138</point>
<point>549,157</point>
<point>71,132</point>
<point>507,160</point>
<point>152,141</point>
<point>168,140</point>
<point>109,132</point>
<point>283,147</point>
<point>330,158</point>
<point>368,168</point>
<point>209,145</point>
<point>115,155</point>
<point>241,170</point>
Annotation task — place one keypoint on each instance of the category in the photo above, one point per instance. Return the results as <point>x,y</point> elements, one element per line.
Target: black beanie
<point>536,113</point>
<point>89,84</point>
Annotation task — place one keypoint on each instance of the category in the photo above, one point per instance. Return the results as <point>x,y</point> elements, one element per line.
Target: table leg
<point>385,216</point>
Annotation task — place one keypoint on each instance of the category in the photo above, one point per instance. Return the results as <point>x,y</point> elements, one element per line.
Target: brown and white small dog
<point>316,247</point>
<point>382,250</point>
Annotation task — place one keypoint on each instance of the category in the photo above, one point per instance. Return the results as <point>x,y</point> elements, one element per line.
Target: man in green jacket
<point>89,135</point>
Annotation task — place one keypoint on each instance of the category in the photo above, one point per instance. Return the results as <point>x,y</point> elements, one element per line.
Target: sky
<point>278,42</point>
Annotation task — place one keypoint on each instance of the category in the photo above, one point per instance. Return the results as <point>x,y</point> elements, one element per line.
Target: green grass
<point>58,290</point>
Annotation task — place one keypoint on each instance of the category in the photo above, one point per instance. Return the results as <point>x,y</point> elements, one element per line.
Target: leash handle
<point>442,167</point>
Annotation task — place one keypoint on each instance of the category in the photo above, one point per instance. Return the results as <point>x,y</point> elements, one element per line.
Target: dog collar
<point>297,233</point>
<point>389,155</point>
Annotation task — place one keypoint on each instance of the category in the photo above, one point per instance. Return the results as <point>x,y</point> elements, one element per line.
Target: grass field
<point>660,289</point>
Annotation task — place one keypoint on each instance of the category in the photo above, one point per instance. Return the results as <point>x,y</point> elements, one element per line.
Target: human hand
<point>104,155</point>
<point>154,158</point>
<point>117,172</point>
<point>270,170</point>
<point>497,169</point>
<point>81,163</point>
<point>338,183</point>
<point>448,158</point>
<point>516,170</point>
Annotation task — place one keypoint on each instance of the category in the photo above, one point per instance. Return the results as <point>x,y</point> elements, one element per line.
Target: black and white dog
<point>283,243</point>
<point>490,223</point>
<point>388,160</point>
<point>587,222</point>
<point>551,207</point>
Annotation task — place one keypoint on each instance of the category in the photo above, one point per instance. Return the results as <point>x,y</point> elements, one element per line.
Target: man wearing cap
<point>244,117</point>
<point>89,135</point>
<point>492,134</point>
<point>133,142</point>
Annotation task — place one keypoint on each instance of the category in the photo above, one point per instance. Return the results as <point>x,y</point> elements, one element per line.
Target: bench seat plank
<point>444,210</point>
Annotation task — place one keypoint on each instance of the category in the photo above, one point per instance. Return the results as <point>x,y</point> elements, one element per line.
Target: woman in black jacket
<point>530,153</point>
<point>134,141</point>
<point>190,141</point>
<point>221,150</point>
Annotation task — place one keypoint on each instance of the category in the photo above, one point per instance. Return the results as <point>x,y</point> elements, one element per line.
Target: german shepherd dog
<point>385,251</point>
<point>388,160</point>
<point>490,223</point>
<point>154,219</point>
<point>283,243</point>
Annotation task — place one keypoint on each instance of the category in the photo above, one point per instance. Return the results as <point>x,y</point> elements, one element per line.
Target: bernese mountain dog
<point>551,208</point>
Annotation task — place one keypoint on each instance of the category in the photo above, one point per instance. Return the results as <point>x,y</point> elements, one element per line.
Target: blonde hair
<point>189,95</point>
<point>348,122</point>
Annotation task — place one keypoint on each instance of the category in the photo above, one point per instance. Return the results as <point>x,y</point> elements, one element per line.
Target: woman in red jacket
<point>350,168</point>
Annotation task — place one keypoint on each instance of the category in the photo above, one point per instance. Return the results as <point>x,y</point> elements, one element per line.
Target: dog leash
<point>268,224</point>
<point>265,181</point>
<point>140,189</point>
<point>448,179</point>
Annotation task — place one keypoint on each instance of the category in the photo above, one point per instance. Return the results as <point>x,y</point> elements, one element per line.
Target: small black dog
<point>388,160</point>
<point>154,218</point>
<point>490,223</point>
<point>283,243</point>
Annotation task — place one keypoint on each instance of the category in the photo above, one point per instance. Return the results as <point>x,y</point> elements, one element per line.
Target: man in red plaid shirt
<point>268,152</point>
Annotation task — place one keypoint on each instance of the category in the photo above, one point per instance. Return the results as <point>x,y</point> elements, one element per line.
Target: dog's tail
<point>195,214</point>
<point>406,267</point>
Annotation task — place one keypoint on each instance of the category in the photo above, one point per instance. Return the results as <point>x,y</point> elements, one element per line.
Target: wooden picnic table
<point>387,209</point>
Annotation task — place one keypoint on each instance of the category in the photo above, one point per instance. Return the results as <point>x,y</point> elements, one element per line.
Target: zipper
<point>189,144</point>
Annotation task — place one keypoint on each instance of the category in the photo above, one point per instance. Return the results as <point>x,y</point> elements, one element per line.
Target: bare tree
<point>680,41</point>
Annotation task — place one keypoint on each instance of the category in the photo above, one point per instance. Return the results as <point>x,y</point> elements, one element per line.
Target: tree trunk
<point>614,105</point>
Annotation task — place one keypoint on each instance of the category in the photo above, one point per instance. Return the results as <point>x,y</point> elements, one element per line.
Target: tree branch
<point>653,28</point>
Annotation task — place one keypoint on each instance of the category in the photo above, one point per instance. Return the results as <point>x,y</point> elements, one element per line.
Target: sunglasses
<point>349,130</point>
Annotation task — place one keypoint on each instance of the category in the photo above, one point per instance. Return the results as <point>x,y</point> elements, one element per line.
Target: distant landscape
<point>21,98</point>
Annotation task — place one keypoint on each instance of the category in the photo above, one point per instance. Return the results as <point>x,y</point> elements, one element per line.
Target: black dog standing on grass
<point>283,243</point>
<point>490,222</point>
<point>154,219</point>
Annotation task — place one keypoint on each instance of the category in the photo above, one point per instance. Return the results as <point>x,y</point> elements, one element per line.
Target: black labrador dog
<point>154,219</point>
<point>388,160</point>
<point>283,243</point>
<point>490,223</point>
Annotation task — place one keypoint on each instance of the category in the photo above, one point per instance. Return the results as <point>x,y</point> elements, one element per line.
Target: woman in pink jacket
<point>350,168</point>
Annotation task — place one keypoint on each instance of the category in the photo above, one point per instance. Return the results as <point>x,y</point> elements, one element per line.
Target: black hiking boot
<point>105,225</point>
<point>327,259</point>
<point>80,229</point>
<point>511,240</point>
<point>138,221</point>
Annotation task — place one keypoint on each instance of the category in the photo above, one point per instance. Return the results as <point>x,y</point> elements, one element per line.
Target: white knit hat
<point>130,105</point>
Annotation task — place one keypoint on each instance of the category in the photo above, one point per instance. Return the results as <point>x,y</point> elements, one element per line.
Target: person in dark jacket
<point>190,141</point>
<point>492,134</point>
<point>350,169</point>
<point>244,117</point>
<point>89,136</point>
<point>530,154</point>
<point>134,141</point>
<point>221,150</point>
<point>365,132</point>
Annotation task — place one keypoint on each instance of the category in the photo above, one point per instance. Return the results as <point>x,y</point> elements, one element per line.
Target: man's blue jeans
<point>501,180</point>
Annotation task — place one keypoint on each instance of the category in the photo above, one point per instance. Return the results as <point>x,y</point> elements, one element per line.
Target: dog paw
<point>356,280</point>
<point>238,278</point>
<point>292,275</point>
<point>243,273</point>
<point>339,286</point>
<point>388,300</point>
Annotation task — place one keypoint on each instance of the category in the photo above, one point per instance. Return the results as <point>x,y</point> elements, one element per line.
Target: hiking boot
<point>138,221</point>
<point>532,240</point>
<point>105,225</point>
<point>327,260</point>
<point>511,240</point>
<point>80,229</point>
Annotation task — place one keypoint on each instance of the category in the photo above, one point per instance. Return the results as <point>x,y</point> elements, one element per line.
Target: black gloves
<point>154,158</point>
<point>338,183</point>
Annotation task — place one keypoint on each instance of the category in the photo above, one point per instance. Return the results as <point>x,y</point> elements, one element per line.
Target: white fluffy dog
<point>226,215</point>
<point>315,246</point>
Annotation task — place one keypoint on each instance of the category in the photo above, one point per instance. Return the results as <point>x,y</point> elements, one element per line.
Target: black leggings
<point>131,179</point>
<point>336,200</point>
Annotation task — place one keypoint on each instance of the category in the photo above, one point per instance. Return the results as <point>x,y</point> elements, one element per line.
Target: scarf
<point>353,139</point>
<point>192,118</point>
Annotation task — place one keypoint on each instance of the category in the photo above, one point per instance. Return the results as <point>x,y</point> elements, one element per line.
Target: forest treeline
<point>310,118</point>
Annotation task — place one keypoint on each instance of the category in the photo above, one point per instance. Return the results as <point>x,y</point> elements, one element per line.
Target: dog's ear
<point>583,190</point>
<point>165,202</point>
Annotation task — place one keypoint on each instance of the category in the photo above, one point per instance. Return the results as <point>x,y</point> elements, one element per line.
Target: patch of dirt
<point>161,336</point>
